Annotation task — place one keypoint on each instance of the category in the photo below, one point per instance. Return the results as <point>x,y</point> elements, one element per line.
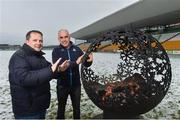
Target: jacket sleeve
<point>87,64</point>
<point>21,73</point>
<point>55,55</point>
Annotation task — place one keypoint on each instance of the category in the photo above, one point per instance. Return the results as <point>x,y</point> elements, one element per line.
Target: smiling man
<point>29,77</point>
<point>69,81</point>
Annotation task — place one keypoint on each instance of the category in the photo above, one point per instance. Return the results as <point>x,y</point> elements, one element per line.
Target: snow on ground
<point>169,108</point>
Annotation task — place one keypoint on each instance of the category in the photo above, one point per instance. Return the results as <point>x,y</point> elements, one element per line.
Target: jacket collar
<point>31,51</point>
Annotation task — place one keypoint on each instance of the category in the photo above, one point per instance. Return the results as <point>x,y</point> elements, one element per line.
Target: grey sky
<point>19,16</point>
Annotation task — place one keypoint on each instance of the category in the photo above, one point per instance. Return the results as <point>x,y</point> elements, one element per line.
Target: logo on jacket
<point>74,49</point>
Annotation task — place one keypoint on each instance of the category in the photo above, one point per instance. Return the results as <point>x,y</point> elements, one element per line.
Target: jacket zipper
<point>70,68</point>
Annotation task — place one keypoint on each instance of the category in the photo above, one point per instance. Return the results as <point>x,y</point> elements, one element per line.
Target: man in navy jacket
<point>29,77</point>
<point>69,79</point>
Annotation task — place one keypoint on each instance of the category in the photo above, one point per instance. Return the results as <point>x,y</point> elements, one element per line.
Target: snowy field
<point>169,108</point>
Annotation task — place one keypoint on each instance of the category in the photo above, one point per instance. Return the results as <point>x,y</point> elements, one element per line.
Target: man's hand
<point>90,58</point>
<point>64,66</point>
<point>54,66</point>
<point>79,60</point>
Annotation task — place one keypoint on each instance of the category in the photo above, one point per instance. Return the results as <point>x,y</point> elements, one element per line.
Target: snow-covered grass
<point>169,108</point>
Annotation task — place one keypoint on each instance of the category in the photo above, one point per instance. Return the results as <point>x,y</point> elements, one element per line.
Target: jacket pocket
<point>40,103</point>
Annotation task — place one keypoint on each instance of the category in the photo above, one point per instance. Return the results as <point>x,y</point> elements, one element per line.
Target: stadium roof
<point>141,14</point>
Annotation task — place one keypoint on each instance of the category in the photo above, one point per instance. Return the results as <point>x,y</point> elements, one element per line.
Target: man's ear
<point>27,42</point>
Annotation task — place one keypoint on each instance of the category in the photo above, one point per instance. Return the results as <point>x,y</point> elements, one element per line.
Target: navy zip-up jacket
<point>71,76</point>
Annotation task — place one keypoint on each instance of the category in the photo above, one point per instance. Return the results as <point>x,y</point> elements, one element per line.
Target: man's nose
<point>64,39</point>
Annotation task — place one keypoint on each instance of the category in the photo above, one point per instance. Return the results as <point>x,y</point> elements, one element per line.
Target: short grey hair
<point>63,30</point>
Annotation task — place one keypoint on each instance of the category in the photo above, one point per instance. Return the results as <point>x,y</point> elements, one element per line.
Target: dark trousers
<point>62,94</point>
<point>38,116</point>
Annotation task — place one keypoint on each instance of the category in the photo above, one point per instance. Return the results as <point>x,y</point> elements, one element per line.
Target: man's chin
<point>38,49</point>
<point>65,45</point>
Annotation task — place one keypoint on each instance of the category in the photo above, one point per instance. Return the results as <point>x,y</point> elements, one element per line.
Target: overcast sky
<point>17,17</point>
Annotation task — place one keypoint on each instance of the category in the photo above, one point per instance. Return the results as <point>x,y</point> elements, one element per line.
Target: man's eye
<point>35,40</point>
<point>63,37</point>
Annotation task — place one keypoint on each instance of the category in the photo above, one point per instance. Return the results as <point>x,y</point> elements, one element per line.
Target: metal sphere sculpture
<point>142,79</point>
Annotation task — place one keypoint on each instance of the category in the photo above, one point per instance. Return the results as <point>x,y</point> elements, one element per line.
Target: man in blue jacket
<point>69,81</point>
<point>29,77</point>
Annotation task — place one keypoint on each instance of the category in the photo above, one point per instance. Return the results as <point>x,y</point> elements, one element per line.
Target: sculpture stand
<point>114,115</point>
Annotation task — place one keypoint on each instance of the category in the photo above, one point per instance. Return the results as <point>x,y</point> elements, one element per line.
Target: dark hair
<point>32,31</point>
